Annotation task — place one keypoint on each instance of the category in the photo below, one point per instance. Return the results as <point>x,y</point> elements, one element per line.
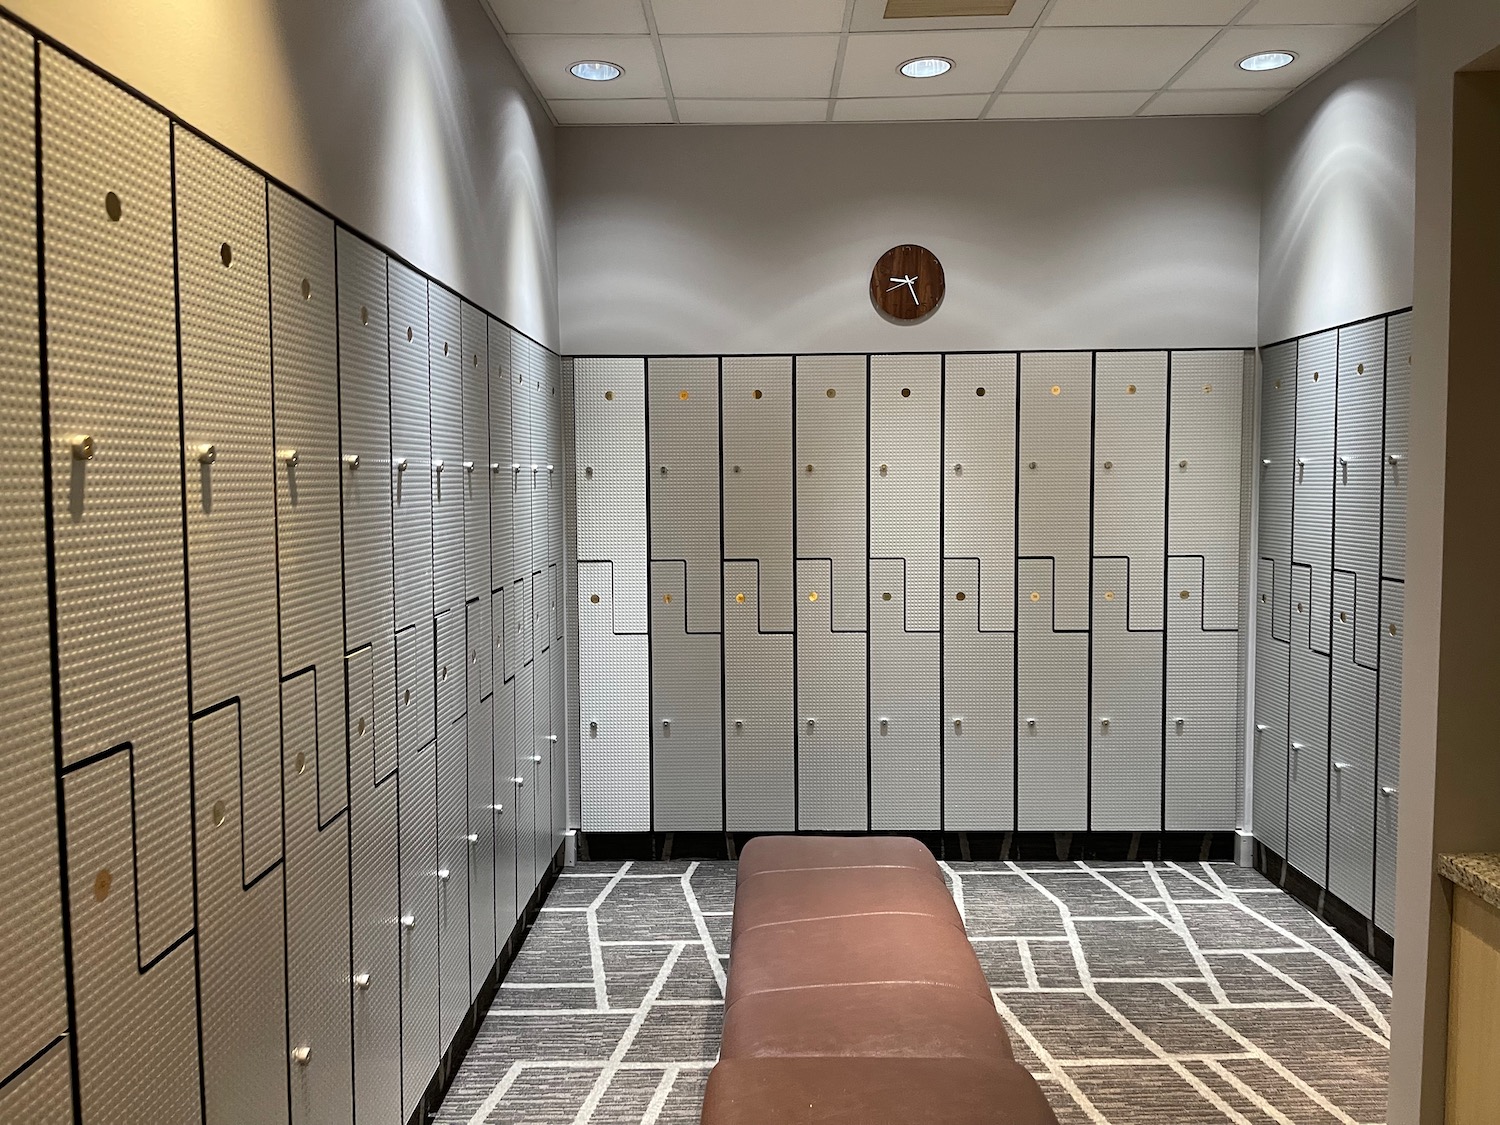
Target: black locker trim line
<point>1386,316</point>
<point>1088,745</point>
<point>650,694</point>
<point>869,690</point>
<point>1333,558</point>
<point>1166,599</point>
<point>34,1059</point>
<point>1385,390</point>
<point>760,632</point>
<point>796,600</point>
<point>1015,637</point>
<point>942,569</point>
<point>723,630</point>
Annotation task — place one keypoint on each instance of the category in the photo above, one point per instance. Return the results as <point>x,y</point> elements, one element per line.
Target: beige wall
<point>407,119</point>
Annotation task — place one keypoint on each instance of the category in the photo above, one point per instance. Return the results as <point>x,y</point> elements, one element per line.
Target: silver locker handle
<point>520,781</point>
<point>536,758</point>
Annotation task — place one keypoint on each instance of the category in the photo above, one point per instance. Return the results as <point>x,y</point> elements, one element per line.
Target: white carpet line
<point>1028,966</point>
<point>1138,903</point>
<point>1333,1009</point>
<point>528,987</point>
<point>957,890</point>
<point>1370,1007</point>
<point>596,951</point>
<point>1248,1091</point>
<point>652,941</point>
<point>1019,937</point>
<point>1152,1060</point>
<point>659,1097</point>
<point>491,1103</point>
<point>1056,1072</point>
<point>1188,939</point>
<point>709,950</point>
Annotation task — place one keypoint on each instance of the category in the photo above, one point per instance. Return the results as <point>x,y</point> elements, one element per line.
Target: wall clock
<point>907,284</point>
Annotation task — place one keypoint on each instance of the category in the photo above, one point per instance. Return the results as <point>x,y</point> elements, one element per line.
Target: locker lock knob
<point>352,460</point>
<point>408,921</point>
<point>437,466</point>
<point>468,466</point>
<point>497,808</point>
<point>1388,790</point>
<point>593,730</point>
<point>1265,461</point>
<point>205,453</point>
<point>1109,464</point>
<point>1182,464</point>
<point>362,981</point>
<point>1031,722</point>
<point>443,873</point>
<point>401,464</point>
<point>537,758</point>
<point>1180,721</point>
<point>552,738</point>
<point>520,782</point>
<point>302,1055</point>
<point>1104,723</point>
<point>812,724</point>
<point>1340,766</point>
<point>884,725</point>
<point>494,466</point>
<point>82,446</point>
<point>1261,728</point>
<point>1031,465</point>
<point>1395,457</point>
<point>739,724</point>
<point>473,838</point>
<point>289,457</point>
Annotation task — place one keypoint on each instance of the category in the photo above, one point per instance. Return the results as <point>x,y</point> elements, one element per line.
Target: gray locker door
<point>507,905</point>
<point>1398,376</point>
<point>1312,501</point>
<point>1358,478</point>
<point>1388,758</point>
<point>482,839</point>
<point>416,698</point>
<point>1278,475</point>
<point>1308,763</point>
<point>905,739</point>
<point>1351,794</point>
<point>1127,732</point>
<point>541,465</point>
<point>1130,489</point>
<point>757,411</point>
<point>1269,760</point>
<point>1056,468</point>
<point>241,928</point>
<point>523,481</point>
<point>523,786</point>
<point>1205,738</point>
<point>477,477</point>
<point>137,1027</point>
<point>832,763</point>
<point>317,902</point>
<point>979,433</point>
<point>411,445</point>
<point>979,733</point>
<point>556,749</point>
<point>535,769</point>
<point>452,656</point>
<point>32,989</point>
<point>502,459</point>
<point>418,926</point>
<point>453,877</point>
<point>446,372</point>
<point>760,774</point>
<point>1052,678</point>
<point>117,516</point>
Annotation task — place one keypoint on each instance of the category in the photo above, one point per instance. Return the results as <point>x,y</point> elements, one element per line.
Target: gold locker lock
<point>82,446</point>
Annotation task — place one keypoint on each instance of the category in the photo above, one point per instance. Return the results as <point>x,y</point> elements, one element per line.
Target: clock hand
<point>911,283</point>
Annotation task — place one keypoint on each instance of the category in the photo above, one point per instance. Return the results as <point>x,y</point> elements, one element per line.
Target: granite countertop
<point>1478,872</point>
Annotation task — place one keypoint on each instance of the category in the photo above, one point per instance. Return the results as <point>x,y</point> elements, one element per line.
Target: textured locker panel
<point>610,406</point>
<point>137,1028</point>
<point>510,622</point>
<point>446,376</point>
<point>1278,436</point>
<point>305,386</point>
<point>1270,714</point>
<point>523,784</point>
<point>541,466</point>
<point>905,720</point>
<point>453,877</point>
<point>830,415</point>
<point>1388,756</point>
<point>228,450</point>
<point>683,446</point>
<point>411,445</point>
<point>906,477</point>
<point>317,906</point>
<point>571,731</point>
<point>979,731</point>
<point>117,517</point>
<point>520,608</point>
<point>502,478</point>
<point>1126,729</point>
<point>1244,698</point>
<point>759,770</point>
<point>241,930</point>
<point>613,708</point>
<point>482,648</point>
<point>1312,497</point>
<point>416,692</point>
<point>1357,482</point>
<point>507,906</point>
<point>558,478</point>
<point>1351,794</point>
<point>1307,727</point>
<point>1130,488</point>
<point>31,982</point>
<point>1052,670</point>
<point>42,1094</point>
<point>757,472</point>
<point>979,433</point>
<point>687,746</point>
<point>481,842</point>
<point>452,658</point>
<point>536,769</point>
<point>523,478</point>
<point>1398,377</point>
<point>1203,686</point>
<point>1055,471</point>
<point>1203,475</point>
<point>832,731</point>
<point>477,476</point>
<point>418,925</point>
<point>557,750</point>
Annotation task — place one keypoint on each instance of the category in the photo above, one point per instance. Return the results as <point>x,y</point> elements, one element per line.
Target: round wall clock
<point>907,284</point>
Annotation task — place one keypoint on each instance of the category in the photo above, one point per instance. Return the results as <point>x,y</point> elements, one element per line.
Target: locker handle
<point>361,981</point>
<point>302,1055</point>
<point>1388,790</point>
<point>1265,461</point>
<point>1395,457</point>
<point>82,446</point>
<point>1297,746</point>
<point>1179,721</point>
<point>352,460</point>
<point>437,466</point>
<point>1261,728</point>
<point>443,873</point>
<point>289,457</point>
<point>1341,766</point>
<point>536,758</point>
<point>552,738</point>
<point>1031,722</point>
<point>520,781</point>
<point>739,724</point>
<point>472,837</point>
<point>408,921</point>
<point>494,466</point>
<point>206,453</point>
<point>884,725</point>
<point>401,464</point>
<point>468,466</point>
<point>497,808</point>
<point>1104,722</point>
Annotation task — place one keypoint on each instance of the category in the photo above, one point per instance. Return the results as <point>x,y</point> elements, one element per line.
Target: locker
<point>416,698</point>
<point>536,770</point>
<point>904,716</point>
<point>1307,727</point>
<point>241,929</point>
<point>1126,726</point>
<point>1270,714</point>
<point>1278,421</point>
<point>687,747</point>
<point>539,468</point>
<point>227,452</point>
<point>507,908</point>
<point>831,416</point>
<point>418,924</point>
<point>1398,376</point>
<point>1130,509</point>
<point>511,624</point>
<point>979,433</point>
<point>483,647</point>
<point>979,700</point>
<point>1388,752</point>
<point>556,459</point>
<point>482,840</point>
<point>521,609</point>
<point>611,406</point>
<point>614,711</point>
<point>475,358</point>
<point>683,415</point>
<point>1052,729</point>
<point>906,477</point>
<point>317,904</point>
<point>137,1024</point>
<point>1351,793</point>
<point>501,459</point>
<point>523,476</point>
<point>117,515</point>
<point>759,770</point>
<point>832,717</point>
<point>411,445</point>
<point>1055,471</point>
<point>32,984</point>
<point>452,658</point>
<point>1312,499</point>
<point>558,747</point>
<point>757,482</point>
<point>1358,477</point>
<point>453,873</point>
<point>523,785</point>
<point>449,465</point>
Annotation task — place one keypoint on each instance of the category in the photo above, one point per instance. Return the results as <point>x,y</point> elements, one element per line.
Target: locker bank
<point>660,562</point>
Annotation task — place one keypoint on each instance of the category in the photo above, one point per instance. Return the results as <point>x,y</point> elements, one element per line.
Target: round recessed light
<point>1267,60</point>
<point>596,70</point>
<point>926,68</point>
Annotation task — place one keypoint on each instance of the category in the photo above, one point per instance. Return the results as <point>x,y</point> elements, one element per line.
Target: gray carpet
<point>1138,994</point>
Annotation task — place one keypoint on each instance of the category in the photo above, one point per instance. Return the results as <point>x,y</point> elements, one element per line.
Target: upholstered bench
<point>855,998</point>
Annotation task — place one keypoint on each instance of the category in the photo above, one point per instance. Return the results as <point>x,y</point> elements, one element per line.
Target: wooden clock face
<point>907,284</point>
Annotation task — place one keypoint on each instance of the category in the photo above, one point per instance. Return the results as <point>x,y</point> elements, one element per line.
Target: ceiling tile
<point>713,17</point>
<point>980,59</point>
<point>869,15</point>
<point>547,58</point>
<point>709,111</point>
<point>1115,58</point>
<point>1142,13</point>
<point>1178,103</point>
<point>570,17</point>
<point>1069,105</point>
<point>1324,11</point>
<point>751,66</point>
<point>943,107</point>
<point>1315,48</point>
<point>618,111</point>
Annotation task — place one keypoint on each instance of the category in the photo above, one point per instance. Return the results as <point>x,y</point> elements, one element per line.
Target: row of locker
<point>1331,571</point>
<point>911,592</point>
<point>297,514</point>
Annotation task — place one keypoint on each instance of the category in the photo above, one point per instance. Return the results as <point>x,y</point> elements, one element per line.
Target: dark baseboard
<point>1359,931</point>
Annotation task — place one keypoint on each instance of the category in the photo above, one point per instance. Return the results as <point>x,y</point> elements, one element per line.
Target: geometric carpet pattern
<point>1136,993</point>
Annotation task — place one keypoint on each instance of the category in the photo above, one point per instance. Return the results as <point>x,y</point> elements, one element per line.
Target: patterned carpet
<point>1137,993</point>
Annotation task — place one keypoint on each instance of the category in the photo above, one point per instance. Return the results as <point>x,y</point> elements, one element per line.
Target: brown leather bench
<point>855,998</point>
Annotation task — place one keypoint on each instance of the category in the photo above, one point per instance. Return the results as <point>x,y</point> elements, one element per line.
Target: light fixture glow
<point>1267,60</point>
<point>595,70</point>
<point>926,68</point>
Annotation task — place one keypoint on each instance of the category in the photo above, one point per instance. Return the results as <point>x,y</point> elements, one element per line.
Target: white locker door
<point>1398,377</point>
<point>454,892</point>
<point>477,475</point>
<point>446,373</point>
<point>1388,761</point>
<point>1270,713</point>
<point>482,843</point>
<point>523,785</point>
<point>1308,763</point>
<point>507,907</point>
<point>502,459</point>
<point>419,921</point>
<point>537,773</point>
<point>411,445</point>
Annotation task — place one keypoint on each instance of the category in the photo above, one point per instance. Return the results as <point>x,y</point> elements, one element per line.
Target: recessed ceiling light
<point>1267,60</point>
<point>596,71</point>
<point>926,68</point>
